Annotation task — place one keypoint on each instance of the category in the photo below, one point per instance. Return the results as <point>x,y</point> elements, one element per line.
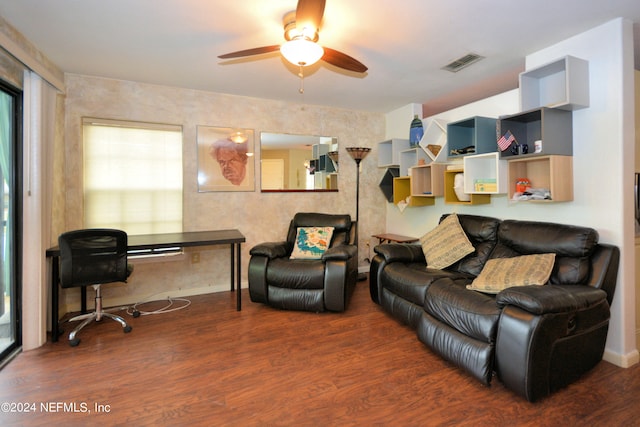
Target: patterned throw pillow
<point>502,273</point>
<point>446,244</point>
<point>311,242</point>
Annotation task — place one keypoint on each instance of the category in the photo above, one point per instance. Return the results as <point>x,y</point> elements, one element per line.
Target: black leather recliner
<point>302,284</point>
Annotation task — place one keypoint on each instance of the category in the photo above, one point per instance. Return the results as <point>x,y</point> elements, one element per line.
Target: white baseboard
<point>622,360</point>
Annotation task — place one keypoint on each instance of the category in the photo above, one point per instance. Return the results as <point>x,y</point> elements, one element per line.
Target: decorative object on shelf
<point>537,145</point>
<point>506,140</point>
<point>416,131</point>
<point>458,188</point>
<point>522,185</point>
<point>357,154</point>
<point>519,149</point>
<point>434,149</point>
<point>471,149</point>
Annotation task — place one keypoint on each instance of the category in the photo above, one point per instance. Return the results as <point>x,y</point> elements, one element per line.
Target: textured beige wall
<point>260,217</point>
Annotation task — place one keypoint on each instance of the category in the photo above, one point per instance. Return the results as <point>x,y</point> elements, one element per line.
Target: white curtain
<point>39,133</point>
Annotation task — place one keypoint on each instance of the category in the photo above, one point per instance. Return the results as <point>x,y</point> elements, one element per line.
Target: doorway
<point>10,202</point>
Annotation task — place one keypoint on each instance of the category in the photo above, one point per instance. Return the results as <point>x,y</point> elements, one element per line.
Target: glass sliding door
<point>10,111</point>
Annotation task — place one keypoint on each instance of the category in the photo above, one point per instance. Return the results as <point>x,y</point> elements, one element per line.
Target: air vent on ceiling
<point>462,62</point>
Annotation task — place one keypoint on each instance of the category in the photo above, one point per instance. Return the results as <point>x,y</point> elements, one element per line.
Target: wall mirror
<point>298,162</point>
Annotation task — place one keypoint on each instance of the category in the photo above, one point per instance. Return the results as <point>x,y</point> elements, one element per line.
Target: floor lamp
<point>357,154</point>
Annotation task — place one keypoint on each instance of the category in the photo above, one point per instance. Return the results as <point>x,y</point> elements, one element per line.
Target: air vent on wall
<point>462,62</point>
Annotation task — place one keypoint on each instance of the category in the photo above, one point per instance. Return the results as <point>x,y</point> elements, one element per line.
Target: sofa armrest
<point>550,298</point>
<point>541,331</point>
<point>340,253</point>
<point>400,253</point>
<point>271,250</point>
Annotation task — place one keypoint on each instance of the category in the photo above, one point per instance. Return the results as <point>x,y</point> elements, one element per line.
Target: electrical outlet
<point>195,257</point>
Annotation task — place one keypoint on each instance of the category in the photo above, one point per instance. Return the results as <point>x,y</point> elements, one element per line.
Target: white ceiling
<point>404,44</point>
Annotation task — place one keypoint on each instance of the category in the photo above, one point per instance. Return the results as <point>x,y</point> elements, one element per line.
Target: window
<point>132,176</point>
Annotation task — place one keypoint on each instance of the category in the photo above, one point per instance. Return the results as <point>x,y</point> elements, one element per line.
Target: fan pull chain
<point>301,75</point>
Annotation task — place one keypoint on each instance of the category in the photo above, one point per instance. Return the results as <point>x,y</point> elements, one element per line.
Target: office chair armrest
<point>271,250</point>
<point>342,252</point>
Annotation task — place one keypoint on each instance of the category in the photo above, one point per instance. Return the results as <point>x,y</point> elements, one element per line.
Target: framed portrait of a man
<point>225,159</point>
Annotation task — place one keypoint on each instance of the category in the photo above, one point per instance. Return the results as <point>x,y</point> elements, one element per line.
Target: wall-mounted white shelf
<point>485,174</point>
<point>389,152</point>
<point>435,136</point>
<point>410,158</point>
<point>563,84</point>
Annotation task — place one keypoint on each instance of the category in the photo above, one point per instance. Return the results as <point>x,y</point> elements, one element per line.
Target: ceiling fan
<point>301,29</point>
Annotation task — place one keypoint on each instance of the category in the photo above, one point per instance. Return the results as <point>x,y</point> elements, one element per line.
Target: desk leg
<point>55,331</point>
<point>233,265</point>
<point>238,278</point>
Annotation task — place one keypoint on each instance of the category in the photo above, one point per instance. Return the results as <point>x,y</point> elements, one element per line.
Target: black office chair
<point>90,258</point>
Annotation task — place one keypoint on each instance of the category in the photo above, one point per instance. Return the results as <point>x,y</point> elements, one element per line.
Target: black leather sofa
<point>536,339</point>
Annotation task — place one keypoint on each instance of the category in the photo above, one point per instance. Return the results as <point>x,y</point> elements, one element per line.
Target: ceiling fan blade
<point>250,52</point>
<point>342,60</point>
<point>309,14</point>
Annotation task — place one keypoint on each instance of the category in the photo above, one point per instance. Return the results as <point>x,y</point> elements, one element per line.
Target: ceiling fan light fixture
<point>238,137</point>
<point>301,51</point>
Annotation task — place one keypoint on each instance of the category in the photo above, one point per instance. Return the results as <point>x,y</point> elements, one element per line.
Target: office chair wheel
<point>136,313</point>
<point>127,329</point>
<point>74,342</point>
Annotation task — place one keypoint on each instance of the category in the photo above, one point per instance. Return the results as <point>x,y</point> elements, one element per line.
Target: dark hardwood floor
<point>211,365</point>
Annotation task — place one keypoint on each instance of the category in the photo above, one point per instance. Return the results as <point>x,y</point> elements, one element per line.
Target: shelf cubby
<point>450,194</point>
<point>402,192</point>
<point>554,173</point>
<point>563,84</point>
<point>410,158</point>
<point>427,180</point>
<point>389,152</point>
<point>386,184</point>
<point>435,136</point>
<point>552,127</point>
<point>485,174</point>
<point>477,132</point>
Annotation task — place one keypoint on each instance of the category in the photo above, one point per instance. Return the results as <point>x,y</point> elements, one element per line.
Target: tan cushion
<point>446,244</point>
<point>311,242</point>
<point>502,273</point>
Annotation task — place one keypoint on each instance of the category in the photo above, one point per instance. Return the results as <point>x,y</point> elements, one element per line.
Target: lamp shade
<point>358,153</point>
<point>301,51</point>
